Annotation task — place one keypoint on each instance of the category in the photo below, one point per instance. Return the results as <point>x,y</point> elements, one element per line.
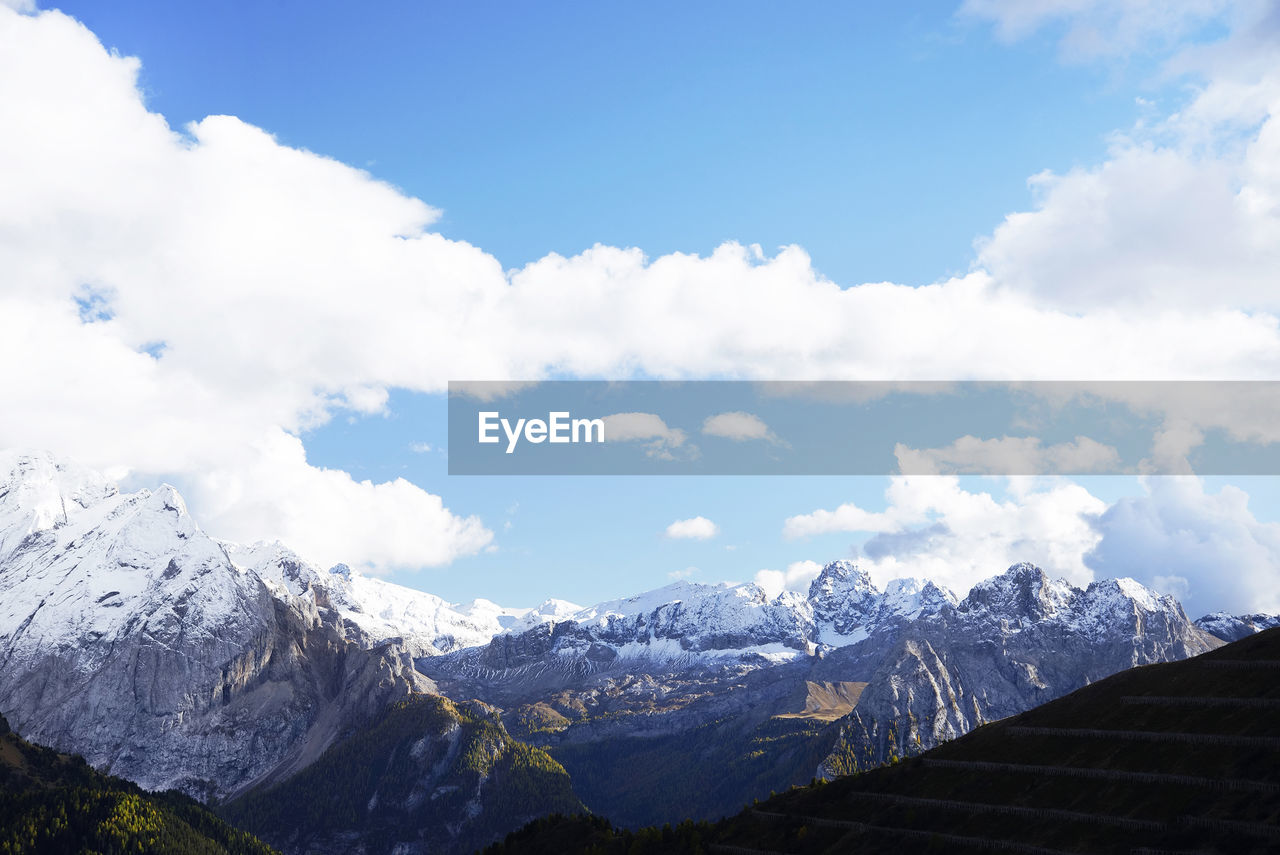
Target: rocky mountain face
<point>1016,641</point>
<point>127,635</point>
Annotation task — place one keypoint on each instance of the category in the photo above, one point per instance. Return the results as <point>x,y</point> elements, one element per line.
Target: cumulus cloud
<point>660,440</point>
<point>1186,209</point>
<point>186,303</point>
<point>276,490</point>
<point>695,528</point>
<point>933,528</point>
<point>738,426</point>
<point>796,577</point>
<point>846,517</point>
<point>628,427</point>
<point>1208,548</point>
<point>1150,224</point>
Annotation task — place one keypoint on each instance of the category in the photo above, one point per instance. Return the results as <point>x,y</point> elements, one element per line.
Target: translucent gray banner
<point>864,428</point>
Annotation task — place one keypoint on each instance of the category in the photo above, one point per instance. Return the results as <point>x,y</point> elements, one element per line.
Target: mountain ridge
<point>131,636</point>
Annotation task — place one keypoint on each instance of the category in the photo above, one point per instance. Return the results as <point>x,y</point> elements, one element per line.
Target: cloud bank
<point>186,303</point>
<point>933,528</point>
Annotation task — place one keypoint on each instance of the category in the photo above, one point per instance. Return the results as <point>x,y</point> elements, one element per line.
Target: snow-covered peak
<point>554,608</point>
<point>1023,597</point>
<point>1123,605</point>
<point>276,564</point>
<point>912,598</point>
<point>117,564</point>
<point>840,578</point>
<point>427,623</point>
<point>650,601</point>
<point>1231,627</point>
<point>688,620</point>
<point>39,491</point>
<point>1130,591</point>
<point>68,536</point>
<point>1022,594</point>
<point>844,598</point>
<point>499,618</point>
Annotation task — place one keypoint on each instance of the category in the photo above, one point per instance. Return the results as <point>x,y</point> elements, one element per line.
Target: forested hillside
<point>56,803</point>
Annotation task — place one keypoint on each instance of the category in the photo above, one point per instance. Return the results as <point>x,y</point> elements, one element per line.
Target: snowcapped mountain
<point>86,568</point>
<point>375,611</point>
<point>910,665</point>
<point>1235,627</point>
<point>130,636</point>
<point>687,624</point>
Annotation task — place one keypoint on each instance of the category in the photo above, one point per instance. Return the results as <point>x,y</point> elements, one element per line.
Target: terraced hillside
<point>1177,757</point>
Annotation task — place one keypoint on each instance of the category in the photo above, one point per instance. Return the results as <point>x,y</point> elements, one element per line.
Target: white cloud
<point>695,528</point>
<point>273,488</point>
<point>1186,209</point>
<point>629,427</point>
<point>286,287</point>
<point>1208,548</point>
<point>847,517</point>
<point>686,573</point>
<point>420,447</point>
<point>932,528</point>
<point>1149,225</point>
<point>660,441</point>
<point>738,426</point>
<point>1096,28</point>
<point>796,577</point>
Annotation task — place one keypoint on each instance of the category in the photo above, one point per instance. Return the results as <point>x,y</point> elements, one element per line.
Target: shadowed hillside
<point>56,803</point>
<point>1182,756</point>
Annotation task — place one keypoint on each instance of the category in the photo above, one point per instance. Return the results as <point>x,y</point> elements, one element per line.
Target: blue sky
<point>889,141</point>
<point>884,138</point>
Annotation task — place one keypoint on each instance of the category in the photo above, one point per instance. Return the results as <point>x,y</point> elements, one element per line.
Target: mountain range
<point>175,660</point>
<point>1176,757</point>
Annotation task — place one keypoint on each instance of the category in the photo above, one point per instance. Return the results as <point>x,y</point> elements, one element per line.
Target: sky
<point>245,247</point>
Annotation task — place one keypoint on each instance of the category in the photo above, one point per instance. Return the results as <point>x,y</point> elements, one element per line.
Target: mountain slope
<point>1180,756</point>
<point>52,802</point>
<point>428,776</point>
